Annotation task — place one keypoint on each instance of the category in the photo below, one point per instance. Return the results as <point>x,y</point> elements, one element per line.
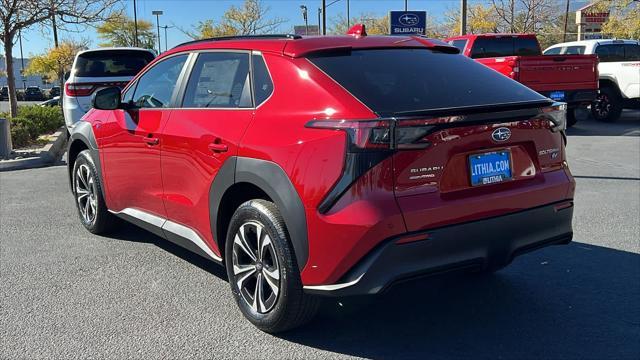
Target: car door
<point>201,135</point>
<point>131,142</point>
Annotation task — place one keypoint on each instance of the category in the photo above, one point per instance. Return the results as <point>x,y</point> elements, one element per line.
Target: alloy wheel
<point>255,267</point>
<point>86,193</point>
<point>602,106</point>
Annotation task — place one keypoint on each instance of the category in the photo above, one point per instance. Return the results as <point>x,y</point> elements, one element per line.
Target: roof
<point>301,46</point>
<point>469,36</point>
<point>116,48</point>
<point>593,41</point>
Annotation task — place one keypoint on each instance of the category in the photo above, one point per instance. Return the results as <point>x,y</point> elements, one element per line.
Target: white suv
<point>619,70</point>
<point>95,69</point>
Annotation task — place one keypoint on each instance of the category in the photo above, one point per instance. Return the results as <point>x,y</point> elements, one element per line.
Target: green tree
<point>49,64</point>
<point>624,18</point>
<point>119,30</point>
<point>248,19</point>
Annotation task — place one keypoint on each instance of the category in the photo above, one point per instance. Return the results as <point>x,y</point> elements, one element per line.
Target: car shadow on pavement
<point>576,301</point>
<point>627,125</point>
<point>129,232</point>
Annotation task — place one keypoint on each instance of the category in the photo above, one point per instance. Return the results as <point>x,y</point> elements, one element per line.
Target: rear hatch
<point>465,141</point>
<point>558,72</point>
<point>94,70</point>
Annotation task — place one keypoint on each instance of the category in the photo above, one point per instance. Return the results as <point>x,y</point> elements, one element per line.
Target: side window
<point>127,97</point>
<point>554,51</point>
<point>460,44</point>
<point>263,85</point>
<point>219,80</point>
<point>631,52</point>
<point>610,53</point>
<point>575,50</point>
<point>155,88</point>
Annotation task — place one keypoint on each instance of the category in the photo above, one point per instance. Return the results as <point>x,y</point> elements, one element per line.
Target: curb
<point>49,155</point>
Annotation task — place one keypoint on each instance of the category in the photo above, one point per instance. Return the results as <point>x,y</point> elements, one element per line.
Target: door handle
<point>151,140</point>
<point>217,147</point>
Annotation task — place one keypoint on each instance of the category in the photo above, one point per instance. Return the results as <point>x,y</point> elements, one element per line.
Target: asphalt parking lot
<point>66,293</point>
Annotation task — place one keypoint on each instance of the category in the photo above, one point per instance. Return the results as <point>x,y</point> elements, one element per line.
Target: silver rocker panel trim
<point>170,226</point>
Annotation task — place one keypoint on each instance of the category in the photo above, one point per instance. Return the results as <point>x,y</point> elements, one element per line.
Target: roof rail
<point>243,37</point>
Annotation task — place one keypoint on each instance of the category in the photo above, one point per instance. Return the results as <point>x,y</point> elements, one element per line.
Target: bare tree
<point>525,15</point>
<point>16,15</point>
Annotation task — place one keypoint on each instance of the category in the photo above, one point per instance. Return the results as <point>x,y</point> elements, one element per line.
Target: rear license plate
<point>557,95</point>
<point>490,168</point>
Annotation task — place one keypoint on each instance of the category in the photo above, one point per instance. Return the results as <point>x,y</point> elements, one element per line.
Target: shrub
<point>20,133</point>
<point>46,119</point>
<point>33,121</point>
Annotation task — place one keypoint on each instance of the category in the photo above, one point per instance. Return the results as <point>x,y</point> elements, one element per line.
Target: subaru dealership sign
<point>408,22</point>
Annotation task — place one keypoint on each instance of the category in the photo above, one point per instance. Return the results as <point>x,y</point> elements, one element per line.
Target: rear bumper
<point>575,97</point>
<point>492,242</point>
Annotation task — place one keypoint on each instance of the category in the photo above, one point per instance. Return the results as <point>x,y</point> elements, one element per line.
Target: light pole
<point>135,23</point>
<point>319,24</point>
<point>24,83</point>
<point>166,41</point>
<point>324,14</point>
<point>157,13</point>
<point>324,17</point>
<point>463,17</point>
<point>306,20</point>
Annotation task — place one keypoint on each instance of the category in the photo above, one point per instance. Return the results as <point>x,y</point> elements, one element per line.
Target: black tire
<point>608,105</point>
<point>571,117</point>
<point>291,307</point>
<point>100,220</point>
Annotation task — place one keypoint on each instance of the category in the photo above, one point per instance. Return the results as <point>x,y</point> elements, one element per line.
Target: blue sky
<point>185,13</point>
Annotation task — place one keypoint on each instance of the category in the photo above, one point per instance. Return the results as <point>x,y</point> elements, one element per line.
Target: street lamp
<point>157,13</point>
<point>166,41</point>
<point>306,20</point>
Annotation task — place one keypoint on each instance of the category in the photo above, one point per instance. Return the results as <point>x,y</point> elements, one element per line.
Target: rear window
<point>460,44</point>
<point>111,63</point>
<point>391,81</point>
<point>484,47</point>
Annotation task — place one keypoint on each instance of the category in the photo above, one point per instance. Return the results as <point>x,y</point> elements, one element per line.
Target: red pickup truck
<point>569,78</point>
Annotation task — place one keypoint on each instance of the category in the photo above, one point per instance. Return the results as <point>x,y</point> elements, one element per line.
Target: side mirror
<point>66,75</point>
<point>106,99</point>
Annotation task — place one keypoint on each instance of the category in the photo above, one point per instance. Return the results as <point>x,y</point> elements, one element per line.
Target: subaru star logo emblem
<point>408,19</point>
<point>501,134</point>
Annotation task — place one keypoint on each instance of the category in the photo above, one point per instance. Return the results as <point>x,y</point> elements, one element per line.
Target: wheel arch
<point>241,179</point>
<point>609,82</point>
<point>82,138</point>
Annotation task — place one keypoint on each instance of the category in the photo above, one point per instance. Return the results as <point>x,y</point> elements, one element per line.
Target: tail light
<point>86,89</point>
<point>381,134</point>
<point>557,115</point>
<point>78,89</point>
<point>369,143</point>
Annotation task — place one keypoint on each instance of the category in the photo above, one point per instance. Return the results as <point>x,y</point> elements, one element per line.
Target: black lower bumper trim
<point>488,243</point>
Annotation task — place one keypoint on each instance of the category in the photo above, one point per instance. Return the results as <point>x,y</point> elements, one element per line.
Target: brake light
<point>78,89</point>
<point>380,134</point>
<point>86,89</point>
<point>557,115</point>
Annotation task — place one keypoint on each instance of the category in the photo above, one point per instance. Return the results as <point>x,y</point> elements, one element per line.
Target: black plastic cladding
<point>271,179</point>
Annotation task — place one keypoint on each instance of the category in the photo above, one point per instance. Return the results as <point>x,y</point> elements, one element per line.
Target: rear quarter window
<point>484,47</point>
<point>392,81</point>
<point>111,63</point>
